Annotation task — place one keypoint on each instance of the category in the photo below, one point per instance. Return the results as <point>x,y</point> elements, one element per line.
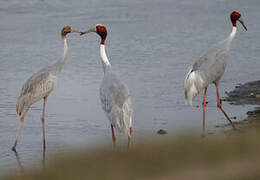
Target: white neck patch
<point>233,33</point>
<point>103,55</point>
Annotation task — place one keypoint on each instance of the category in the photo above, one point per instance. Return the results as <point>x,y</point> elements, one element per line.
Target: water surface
<point>151,44</point>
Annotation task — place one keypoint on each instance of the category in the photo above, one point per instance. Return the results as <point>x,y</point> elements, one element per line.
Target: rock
<point>161,132</point>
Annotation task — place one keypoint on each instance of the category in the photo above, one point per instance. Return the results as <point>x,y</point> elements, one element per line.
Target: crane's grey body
<point>208,69</point>
<point>116,102</point>
<point>114,94</point>
<point>38,86</point>
<point>213,64</point>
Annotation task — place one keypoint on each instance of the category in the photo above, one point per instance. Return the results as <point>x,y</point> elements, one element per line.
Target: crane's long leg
<point>220,107</point>
<point>43,160</point>
<point>19,162</point>
<point>129,138</point>
<point>113,136</point>
<point>204,113</point>
<point>43,126</point>
<point>18,133</point>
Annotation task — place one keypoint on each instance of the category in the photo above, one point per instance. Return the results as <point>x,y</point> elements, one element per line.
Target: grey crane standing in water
<point>209,68</point>
<point>39,86</point>
<point>114,94</point>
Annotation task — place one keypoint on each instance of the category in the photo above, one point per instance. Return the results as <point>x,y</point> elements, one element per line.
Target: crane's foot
<point>234,127</point>
<point>203,135</point>
<point>14,149</point>
<point>114,145</point>
<point>128,143</point>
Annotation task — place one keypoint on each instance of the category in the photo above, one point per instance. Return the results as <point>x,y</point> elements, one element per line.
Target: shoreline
<point>247,94</point>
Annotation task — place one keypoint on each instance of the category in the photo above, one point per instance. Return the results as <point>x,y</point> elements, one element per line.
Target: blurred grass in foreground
<point>233,156</point>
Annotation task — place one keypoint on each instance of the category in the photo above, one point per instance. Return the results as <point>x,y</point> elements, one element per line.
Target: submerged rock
<point>161,132</point>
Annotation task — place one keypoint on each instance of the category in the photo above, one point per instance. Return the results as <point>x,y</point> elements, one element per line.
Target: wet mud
<point>247,94</point>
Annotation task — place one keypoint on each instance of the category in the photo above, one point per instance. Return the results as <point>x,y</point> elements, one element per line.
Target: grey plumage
<point>36,87</point>
<point>39,86</point>
<point>114,94</point>
<point>208,69</point>
<point>116,102</point>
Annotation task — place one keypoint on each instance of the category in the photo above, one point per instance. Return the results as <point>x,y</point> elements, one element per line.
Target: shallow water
<point>151,44</point>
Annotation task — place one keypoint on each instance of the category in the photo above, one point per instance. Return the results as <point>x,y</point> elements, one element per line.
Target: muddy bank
<point>248,93</point>
<point>252,121</point>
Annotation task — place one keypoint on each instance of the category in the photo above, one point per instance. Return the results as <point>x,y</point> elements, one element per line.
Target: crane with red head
<point>209,69</point>
<point>114,94</point>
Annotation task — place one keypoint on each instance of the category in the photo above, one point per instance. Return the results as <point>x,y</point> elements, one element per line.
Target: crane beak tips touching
<point>242,22</point>
<point>82,33</point>
<point>88,31</point>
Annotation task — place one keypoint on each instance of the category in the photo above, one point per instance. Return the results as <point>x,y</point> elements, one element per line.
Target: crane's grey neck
<point>105,62</point>
<point>65,53</point>
<point>233,33</point>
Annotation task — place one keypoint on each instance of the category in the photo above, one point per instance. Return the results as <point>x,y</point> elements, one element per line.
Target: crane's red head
<point>100,30</point>
<point>67,29</point>
<point>236,16</point>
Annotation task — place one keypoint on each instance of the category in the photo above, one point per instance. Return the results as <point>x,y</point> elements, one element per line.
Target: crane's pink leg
<point>19,162</point>
<point>113,136</point>
<point>129,137</point>
<point>43,160</point>
<point>204,112</point>
<point>220,107</point>
<point>43,126</point>
<point>18,133</point>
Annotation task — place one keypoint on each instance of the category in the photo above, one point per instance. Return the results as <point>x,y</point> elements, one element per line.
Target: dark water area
<point>151,44</point>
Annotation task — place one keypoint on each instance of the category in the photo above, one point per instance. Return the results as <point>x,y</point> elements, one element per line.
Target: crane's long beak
<point>93,29</point>
<point>75,31</point>
<point>242,22</point>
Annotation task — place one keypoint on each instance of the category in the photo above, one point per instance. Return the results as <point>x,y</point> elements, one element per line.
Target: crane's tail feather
<point>193,84</point>
<point>127,115</point>
<point>121,118</point>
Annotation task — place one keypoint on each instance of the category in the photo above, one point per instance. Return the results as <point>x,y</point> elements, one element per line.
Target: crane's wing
<point>113,91</point>
<point>40,83</point>
<point>214,56</point>
<point>208,69</point>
